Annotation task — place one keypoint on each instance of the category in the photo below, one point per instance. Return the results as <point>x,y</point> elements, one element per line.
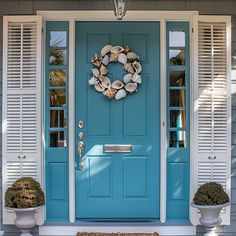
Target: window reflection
<point>57,78</point>
<point>177,139</point>
<point>58,39</point>
<point>176,38</point>
<point>177,57</point>
<point>177,78</point>
<point>57,139</point>
<point>177,98</point>
<point>57,57</point>
<point>177,118</point>
<point>57,97</point>
<point>57,119</point>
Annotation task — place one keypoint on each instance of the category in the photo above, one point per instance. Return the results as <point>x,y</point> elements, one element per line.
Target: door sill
<point>172,227</point>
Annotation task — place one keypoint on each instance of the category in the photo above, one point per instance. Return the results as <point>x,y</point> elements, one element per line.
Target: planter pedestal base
<point>210,231</point>
<point>210,217</point>
<point>25,219</point>
<point>25,232</point>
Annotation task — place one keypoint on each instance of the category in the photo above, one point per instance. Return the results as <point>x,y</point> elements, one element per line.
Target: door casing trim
<point>162,17</point>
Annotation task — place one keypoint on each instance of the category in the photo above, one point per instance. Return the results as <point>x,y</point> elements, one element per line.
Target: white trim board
<point>109,15</point>
<point>162,230</point>
<point>162,17</point>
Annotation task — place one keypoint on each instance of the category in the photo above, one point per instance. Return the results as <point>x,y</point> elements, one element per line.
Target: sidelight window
<point>56,83</point>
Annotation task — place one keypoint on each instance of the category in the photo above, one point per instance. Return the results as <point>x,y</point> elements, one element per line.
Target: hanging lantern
<point>120,8</point>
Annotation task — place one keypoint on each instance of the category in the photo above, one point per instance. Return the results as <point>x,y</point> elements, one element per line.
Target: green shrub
<point>24,193</point>
<point>210,194</point>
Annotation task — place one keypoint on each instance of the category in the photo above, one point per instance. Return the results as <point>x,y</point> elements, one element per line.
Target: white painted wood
<point>163,159</point>
<point>161,16</point>
<point>212,157</point>
<point>109,15</point>
<point>21,137</point>
<point>71,121</point>
<point>193,117</point>
<point>162,230</point>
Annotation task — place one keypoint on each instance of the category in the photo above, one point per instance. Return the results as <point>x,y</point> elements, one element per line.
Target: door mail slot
<point>117,148</point>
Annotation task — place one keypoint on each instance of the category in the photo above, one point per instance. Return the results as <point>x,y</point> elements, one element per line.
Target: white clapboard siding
<point>212,114</point>
<point>22,118</point>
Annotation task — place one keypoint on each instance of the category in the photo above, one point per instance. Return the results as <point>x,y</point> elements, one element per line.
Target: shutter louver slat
<point>212,114</point>
<point>21,103</point>
<point>22,48</point>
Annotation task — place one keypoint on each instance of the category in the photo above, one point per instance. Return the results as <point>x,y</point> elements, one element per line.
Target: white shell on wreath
<point>131,87</point>
<point>136,78</point>
<point>105,81</point>
<point>105,50</point>
<point>122,58</point>
<point>99,87</point>
<point>95,72</point>
<point>129,68</point>
<point>132,56</point>
<point>120,94</point>
<point>92,81</point>
<point>105,60</point>
<point>117,49</point>
<point>137,67</point>
<point>127,78</point>
<point>117,89</point>
<point>117,84</point>
<point>110,93</point>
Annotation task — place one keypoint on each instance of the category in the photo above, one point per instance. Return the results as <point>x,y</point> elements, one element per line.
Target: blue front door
<point>118,185</point>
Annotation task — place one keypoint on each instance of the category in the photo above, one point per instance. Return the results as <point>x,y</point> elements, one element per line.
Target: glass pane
<point>176,39</point>
<point>57,97</point>
<point>177,98</point>
<point>57,139</point>
<point>57,78</point>
<point>57,118</point>
<point>177,78</point>
<point>57,57</point>
<point>177,57</point>
<point>58,39</point>
<point>173,139</point>
<point>177,139</point>
<point>178,118</point>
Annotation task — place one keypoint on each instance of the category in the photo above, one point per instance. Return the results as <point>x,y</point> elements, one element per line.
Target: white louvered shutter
<point>212,153</point>
<point>21,137</point>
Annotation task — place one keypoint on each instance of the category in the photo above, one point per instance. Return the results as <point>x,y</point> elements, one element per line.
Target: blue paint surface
<point>56,160</point>
<point>116,185</point>
<point>178,157</point>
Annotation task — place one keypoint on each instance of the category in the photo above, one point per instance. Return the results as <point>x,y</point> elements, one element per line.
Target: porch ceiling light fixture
<point>120,8</point>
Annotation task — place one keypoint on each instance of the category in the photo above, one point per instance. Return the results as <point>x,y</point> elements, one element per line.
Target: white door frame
<point>162,17</point>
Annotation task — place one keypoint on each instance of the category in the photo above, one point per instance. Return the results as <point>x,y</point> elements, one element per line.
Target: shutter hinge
<point>192,30</point>
<point>42,30</point>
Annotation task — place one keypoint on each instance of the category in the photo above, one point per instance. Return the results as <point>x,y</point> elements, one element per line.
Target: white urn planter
<point>25,219</point>
<point>210,217</point>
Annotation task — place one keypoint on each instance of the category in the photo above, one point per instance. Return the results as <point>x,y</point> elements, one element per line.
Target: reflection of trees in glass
<point>57,97</point>
<point>57,118</point>
<point>57,139</point>
<point>177,57</point>
<point>57,78</point>
<point>57,57</point>
<point>177,78</point>
<point>177,137</point>
<point>59,41</point>
<point>173,139</point>
<point>177,98</point>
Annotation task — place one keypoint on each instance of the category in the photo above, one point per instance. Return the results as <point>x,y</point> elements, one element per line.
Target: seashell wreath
<point>117,89</point>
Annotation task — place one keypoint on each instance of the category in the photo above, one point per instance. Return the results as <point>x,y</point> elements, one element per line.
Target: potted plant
<point>210,198</point>
<point>24,198</point>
